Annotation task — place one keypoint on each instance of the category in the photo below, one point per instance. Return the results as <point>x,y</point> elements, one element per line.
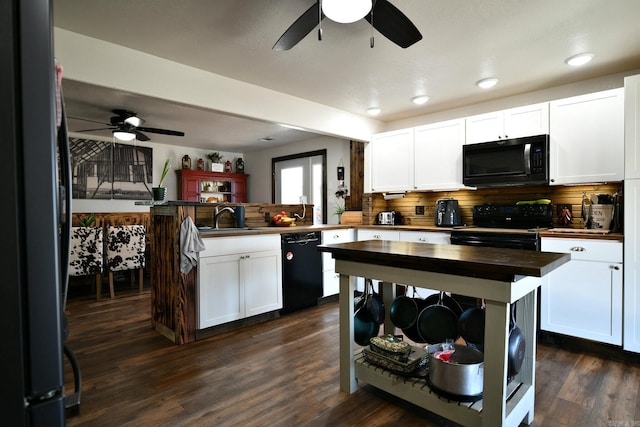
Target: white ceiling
<point>523,43</point>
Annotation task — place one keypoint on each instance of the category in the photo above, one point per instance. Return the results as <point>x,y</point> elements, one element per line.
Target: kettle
<point>447,213</point>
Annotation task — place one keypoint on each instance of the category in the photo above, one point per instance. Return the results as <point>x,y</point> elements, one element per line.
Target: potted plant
<point>340,205</point>
<point>216,161</point>
<point>160,192</point>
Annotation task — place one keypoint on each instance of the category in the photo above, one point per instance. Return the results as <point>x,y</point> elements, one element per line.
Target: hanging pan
<point>437,323</point>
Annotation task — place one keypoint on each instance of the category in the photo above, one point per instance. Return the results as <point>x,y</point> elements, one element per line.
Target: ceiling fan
<point>125,125</point>
<point>382,15</point>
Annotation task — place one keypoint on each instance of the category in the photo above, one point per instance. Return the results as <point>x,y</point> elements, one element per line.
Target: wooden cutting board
<point>351,217</point>
<point>580,230</point>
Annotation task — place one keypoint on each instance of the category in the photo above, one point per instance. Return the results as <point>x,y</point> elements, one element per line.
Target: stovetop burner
<point>530,216</point>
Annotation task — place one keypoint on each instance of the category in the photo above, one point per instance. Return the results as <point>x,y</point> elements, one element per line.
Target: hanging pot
<point>364,326</point>
<point>374,304</point>
<point>412,331</point>
<point>471,324</point>
<point>517,346</point>
<point>403,311</point>
<point>437,323</point>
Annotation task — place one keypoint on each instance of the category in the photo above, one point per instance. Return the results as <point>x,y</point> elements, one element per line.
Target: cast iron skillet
<point>517,346</point>
<point>437,322</point>
<point>403,311</point>
<point>471,324</point>
<point>364,326</point>
<point>374,304</point>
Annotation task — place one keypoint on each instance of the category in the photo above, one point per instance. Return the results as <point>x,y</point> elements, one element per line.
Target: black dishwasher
<point>301,270</point>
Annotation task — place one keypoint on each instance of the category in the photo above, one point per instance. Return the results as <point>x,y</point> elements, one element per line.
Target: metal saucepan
<point>403,311</point>
<point>517,346</point>
<point>471,324</point>
<point>374,304</point>
<point>461,377</point>
<point>437,322</point>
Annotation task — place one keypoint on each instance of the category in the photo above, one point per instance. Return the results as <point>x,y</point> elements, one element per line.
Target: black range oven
<point>503,226</point>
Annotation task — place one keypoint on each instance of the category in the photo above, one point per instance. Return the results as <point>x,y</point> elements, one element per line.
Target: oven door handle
<point>527,159</point>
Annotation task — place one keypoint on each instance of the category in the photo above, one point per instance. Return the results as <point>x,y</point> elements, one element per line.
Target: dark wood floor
<point>285,373</point>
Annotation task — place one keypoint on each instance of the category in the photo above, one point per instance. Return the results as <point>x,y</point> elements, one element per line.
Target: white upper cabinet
<point>392,161</point>
<point>512,123</point>
<point>438,155</point>
<point>632,127</point>
<point>587,138</point>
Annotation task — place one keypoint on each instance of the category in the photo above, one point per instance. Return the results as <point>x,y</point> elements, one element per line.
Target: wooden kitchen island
<point>500,276</point>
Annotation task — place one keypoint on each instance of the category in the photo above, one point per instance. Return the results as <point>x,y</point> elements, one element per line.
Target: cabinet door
<point>632,265</point>
<point>220,295</point>
<point>632,127</point>
<point>190,189</point>
<point>526,121</point>
<point>583,298</point>
<point>239,190</point>
<point>261,275</point>
<point>426,237</point>
<point>330,279</point>
<point>438,155</point>
<point>587,138</point>
<point>392,161</point>
<point>484,127</point>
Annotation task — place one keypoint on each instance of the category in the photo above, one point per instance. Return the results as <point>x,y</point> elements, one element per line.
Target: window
<point>302,175</point>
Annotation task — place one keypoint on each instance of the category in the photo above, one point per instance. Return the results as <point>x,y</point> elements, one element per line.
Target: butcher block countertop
<point>485,263</point>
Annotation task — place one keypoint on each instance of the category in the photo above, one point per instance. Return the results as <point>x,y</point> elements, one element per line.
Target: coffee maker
<point>447,213</point>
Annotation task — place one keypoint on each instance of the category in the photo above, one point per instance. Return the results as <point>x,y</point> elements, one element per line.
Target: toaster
<point>387,218</point>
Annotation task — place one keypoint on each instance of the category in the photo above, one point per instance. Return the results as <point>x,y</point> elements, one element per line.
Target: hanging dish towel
<point>190,245</point>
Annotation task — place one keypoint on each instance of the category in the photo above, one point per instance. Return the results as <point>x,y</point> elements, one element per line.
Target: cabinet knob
<point>578,249</point>
<point>422,239</point>
<point>615,267</point>
<point>336,236</point>
<point>376,236</point>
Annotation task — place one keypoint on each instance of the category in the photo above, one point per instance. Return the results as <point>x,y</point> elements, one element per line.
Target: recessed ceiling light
<point>487,83</point>
<point>578,60</point>
<point>419,100</point>
<point>374,111</point>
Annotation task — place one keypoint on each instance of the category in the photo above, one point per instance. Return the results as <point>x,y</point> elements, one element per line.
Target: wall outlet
<point>303,200</point>
<point>419,210</point>
<point>267,217</point>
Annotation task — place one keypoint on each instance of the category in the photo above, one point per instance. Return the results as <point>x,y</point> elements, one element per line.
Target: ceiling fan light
<point>373,111</point>
<point>420,99</point>
<point>124,135</point>
<point>579,60</point>
<point>487,83</point>
<point>133,121</point>
<point>345,11</point>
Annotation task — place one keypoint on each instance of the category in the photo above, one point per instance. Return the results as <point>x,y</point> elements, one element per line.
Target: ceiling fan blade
<point>87,120</point>
<point>141,136</point>
<point>91,130</point>
<point>299,29</point>
<point>161,131</point>
<point>393,24</point>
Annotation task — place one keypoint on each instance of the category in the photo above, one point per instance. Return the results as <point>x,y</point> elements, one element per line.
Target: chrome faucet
<point>218,212</point>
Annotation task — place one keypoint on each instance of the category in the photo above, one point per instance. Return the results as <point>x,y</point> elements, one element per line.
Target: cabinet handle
<point>376,236</point>
<point>422,239</point>
<point>615,267</point>
<point>336,236</point>
<point>577,249</point>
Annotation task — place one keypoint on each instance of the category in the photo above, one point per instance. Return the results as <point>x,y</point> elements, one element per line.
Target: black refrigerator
<point>34,232</point>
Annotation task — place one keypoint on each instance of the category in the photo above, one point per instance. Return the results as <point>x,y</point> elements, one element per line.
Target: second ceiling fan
<point>381,14</point>
<point>125,125</point>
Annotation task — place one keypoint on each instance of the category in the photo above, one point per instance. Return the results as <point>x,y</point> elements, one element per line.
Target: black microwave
<point>517,161</point>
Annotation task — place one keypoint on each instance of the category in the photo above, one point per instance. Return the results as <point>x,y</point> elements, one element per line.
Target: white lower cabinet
<point>583,298</point>
<point>437,237</point>
<point>244,283</point>
<point>330,279</point>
